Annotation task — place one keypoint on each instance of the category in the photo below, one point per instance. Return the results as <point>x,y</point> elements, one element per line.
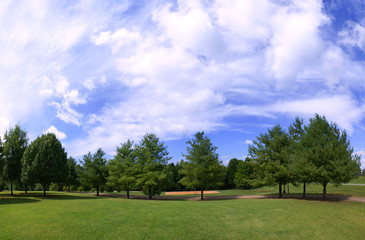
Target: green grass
<point>359,180</point>
<point>84,216</point>
<point>347,190</point>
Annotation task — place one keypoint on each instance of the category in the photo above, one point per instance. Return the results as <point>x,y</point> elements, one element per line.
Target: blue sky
<point>99,72</point>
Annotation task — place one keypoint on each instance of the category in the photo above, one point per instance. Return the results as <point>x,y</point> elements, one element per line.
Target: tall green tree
<point>1,164</point>
<point>330,151</point>
<point>302,168</point>
<point>71,176</point>
<point>123,169</point>
<point>44,161</point>
<point>271,152</point>
<point>152,158</point>
<point>230,173</point>
<point>202,167</point>
<point>15,143</point>
<point>94,170</point>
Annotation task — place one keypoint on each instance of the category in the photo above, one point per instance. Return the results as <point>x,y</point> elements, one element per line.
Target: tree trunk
<point>324,191</point>
<point>127,193</point>
<point>44,190</point>
<point>284,189</point>
<point>201,195</point>
<point>280,192</point>
<point>26,188</point>
<point>149,193</point>
<point>304,186</point>
<point>97,191</point>
<point>11,187</point>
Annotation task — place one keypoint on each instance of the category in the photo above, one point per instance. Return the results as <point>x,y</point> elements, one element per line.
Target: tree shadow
<point>16,200</point>
<point>49,196</point>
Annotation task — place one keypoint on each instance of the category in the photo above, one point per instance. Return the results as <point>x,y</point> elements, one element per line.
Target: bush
<point>80,189</point>
<point>38,187</point>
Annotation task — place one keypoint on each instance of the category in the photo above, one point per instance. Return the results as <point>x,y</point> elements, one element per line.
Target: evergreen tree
<point>244,175</point>
<point>71,177</point>
<point>123,169</point>
<point>15,143</point>
<point>271,152</point>
<point>202,168</point>
<point>94,171</point>
<point>152,158</point>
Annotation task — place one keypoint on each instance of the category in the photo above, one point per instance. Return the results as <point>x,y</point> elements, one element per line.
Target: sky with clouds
<point>99,72</point>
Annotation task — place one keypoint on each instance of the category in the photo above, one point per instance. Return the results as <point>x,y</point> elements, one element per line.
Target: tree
<point>71,177</point>
<point>330,151</point>
<point>15,143</point>
<point>44,161</point>
<point>152,158</point>
<point>302,168</point>
<point>94,170</point>
<point>271,152</point>
<point>202,168</point>
<point>231,171</point>
<point>244,175</point>
<point>123,168</point>
<point>1,164</point>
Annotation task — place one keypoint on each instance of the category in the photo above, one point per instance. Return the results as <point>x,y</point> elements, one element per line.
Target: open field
<point>84,216</point>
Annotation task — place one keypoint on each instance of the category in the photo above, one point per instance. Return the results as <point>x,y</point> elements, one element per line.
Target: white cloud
<point>52,129</point>
<point>362,155</point>
<point>353,35</point>
<point>249,142</point>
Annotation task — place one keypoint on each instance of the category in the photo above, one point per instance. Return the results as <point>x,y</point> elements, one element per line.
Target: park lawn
<point>85,216</point>
<point>359,180</point>
<point>347,190</point>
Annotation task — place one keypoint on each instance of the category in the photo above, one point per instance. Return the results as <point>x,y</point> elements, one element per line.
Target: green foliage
<point>152,158</point>
<point>230,173</point>
<point>330,151</point>
<point>202,168</point>
<point>244,175</point>
<point>271,152</point>
<point>44,161</point>
<point>123,169</point>
<point>71,177</point>
<point>15,143</point>
<point>94,171</point>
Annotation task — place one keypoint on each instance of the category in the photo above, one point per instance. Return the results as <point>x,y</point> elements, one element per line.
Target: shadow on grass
<point>49,196</point>
<point>16,200</point>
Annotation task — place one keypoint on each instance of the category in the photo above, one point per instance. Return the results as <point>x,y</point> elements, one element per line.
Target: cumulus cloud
<point>248,142</point>
<point>52,129</point>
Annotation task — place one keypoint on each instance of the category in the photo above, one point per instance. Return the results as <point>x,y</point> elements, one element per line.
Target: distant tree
<point>330,151</point>
<point>71,177</point>
<point>271,152</point>
<point>244,175</point>
<point>94,170</point>
<point>123,169</point>
<point>15,143</point>
<point>44,161</point>
<point>1,165</point>
<point>202,168</point>
<point>230,173</point>
<point>152,158</point>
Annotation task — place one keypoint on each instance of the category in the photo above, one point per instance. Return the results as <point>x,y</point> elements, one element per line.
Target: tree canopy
<point>44,161</point>
<point>152,158</point>
<point>15,143</point>
<point>202,168</point>
<point>94,170</point>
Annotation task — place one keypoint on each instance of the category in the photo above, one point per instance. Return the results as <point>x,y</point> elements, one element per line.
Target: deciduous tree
<point>44,161</point>
<point>202,167</point>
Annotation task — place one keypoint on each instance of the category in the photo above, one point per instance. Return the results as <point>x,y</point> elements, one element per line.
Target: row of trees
<point>315,153</point>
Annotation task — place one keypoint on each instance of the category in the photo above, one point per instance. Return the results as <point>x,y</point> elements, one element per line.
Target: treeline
<point>315,153</point>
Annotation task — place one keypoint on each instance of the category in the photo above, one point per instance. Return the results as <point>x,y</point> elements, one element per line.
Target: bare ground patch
<point>190,192</point>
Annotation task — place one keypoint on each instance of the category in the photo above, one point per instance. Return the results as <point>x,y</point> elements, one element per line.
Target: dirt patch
<point>190,192</point>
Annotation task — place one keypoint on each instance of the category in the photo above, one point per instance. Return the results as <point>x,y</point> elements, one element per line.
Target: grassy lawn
<point>84,216</point>
<point>359,180</point>
<point>348,190</point>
